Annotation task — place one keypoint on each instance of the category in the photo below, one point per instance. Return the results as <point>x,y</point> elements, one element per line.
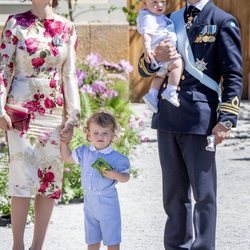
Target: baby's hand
<point>110,174</point>
<point>149,56</point>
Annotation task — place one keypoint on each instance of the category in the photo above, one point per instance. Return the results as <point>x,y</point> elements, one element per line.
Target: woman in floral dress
<point>37,71</point>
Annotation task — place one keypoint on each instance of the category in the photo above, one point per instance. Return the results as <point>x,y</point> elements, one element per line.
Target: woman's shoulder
<point>24,19</point>
<point>64,20</point>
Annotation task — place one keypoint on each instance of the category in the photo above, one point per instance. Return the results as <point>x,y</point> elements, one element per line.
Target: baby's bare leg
<point>157,82</point>
<point>151,98</point>
<point>175,71</point>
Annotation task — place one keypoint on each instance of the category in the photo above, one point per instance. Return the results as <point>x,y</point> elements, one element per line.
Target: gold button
<point>164,85</point>
<point>182,77</point>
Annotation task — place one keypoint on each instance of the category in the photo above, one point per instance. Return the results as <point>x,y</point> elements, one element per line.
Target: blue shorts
<point>102,218</point>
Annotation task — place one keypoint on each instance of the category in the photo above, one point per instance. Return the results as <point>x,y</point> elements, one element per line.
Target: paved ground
<point>141,204</point>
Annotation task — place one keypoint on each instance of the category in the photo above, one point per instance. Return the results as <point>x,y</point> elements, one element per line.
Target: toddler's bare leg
<point>94,246</point>
<point>114,247</point>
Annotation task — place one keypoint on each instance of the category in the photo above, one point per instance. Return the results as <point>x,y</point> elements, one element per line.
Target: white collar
<point>199,5</point>
<point>105,151</point>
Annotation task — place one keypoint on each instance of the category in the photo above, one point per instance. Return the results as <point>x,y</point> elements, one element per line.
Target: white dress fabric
<point>37,71</point>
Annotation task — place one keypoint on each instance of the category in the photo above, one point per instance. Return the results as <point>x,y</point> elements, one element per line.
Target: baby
<point>154,27</point>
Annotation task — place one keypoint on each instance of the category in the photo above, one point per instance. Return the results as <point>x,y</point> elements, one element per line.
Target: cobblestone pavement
<point>141,203</point>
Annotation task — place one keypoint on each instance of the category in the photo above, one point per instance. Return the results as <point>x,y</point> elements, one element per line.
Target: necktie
<point>191,13</point>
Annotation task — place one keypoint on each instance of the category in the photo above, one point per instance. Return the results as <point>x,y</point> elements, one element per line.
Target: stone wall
<point>111,41</point>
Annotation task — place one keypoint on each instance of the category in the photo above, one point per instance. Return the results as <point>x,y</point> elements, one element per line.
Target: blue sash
<point>185,50</point>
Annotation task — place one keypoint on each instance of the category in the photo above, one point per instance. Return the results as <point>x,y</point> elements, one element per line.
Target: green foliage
<point>4,199</point>
<point>131,12</point>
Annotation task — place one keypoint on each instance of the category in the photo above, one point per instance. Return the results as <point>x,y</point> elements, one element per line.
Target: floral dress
<point>37,71</point>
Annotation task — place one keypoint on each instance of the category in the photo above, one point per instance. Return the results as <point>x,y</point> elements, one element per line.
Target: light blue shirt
<point>90,177</point>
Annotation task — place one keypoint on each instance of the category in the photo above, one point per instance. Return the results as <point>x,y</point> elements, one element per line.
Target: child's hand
<point>66,133</point>
<point>113,175</point>
<point>149,56</point>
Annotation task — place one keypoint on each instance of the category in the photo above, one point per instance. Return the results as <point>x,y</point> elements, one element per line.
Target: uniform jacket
<point>221,60</point>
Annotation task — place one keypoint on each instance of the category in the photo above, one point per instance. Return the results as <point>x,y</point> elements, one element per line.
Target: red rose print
<point>41,111</point>
<point>52,83</point>
<point>53,49</point>
<point>25,19</point>
<point>14,40</point>
<point>40,173</point>
<point>11,65</point>
<point>56,194</point>
<point>53,28</point>
<point>49,104</point>
<point>5,56</point>
<point>59,101</point>
<point>31,45</point>
<point>8,33</point>
<point>43,187</point>
<point>3,46</point>
<point>37,62</point>
<point>49,176</point>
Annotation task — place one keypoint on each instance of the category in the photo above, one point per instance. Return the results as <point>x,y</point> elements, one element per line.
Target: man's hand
<point>220,133</point>
<point>165,51</point>
<point>67,133</point>
<point>5,122</point>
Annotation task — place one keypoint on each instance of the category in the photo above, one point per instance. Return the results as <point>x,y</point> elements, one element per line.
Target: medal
<point>198,39</point>
<point>205,38</point>
<point>212,39</point>
<point>57,41</point>
<point>212,31</point>
<point>189,22</point>
<point>200,64</point>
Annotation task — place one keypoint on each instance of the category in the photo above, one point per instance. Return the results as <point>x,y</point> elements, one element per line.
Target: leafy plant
<point>4,199</point>
<point>131,12</point>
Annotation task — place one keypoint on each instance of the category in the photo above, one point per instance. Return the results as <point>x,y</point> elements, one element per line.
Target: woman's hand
<point>66,133</point>
<point>165,51</point>
<point>5,122</point>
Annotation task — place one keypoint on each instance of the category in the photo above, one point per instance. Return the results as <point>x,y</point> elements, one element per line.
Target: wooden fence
<point>240,9</point>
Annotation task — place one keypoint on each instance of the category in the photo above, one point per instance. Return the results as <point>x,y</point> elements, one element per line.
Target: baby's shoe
<point>152,101</point>
<point>171,96</point>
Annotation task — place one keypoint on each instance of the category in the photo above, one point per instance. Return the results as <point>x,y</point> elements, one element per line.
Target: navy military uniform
<point>214,37</point>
